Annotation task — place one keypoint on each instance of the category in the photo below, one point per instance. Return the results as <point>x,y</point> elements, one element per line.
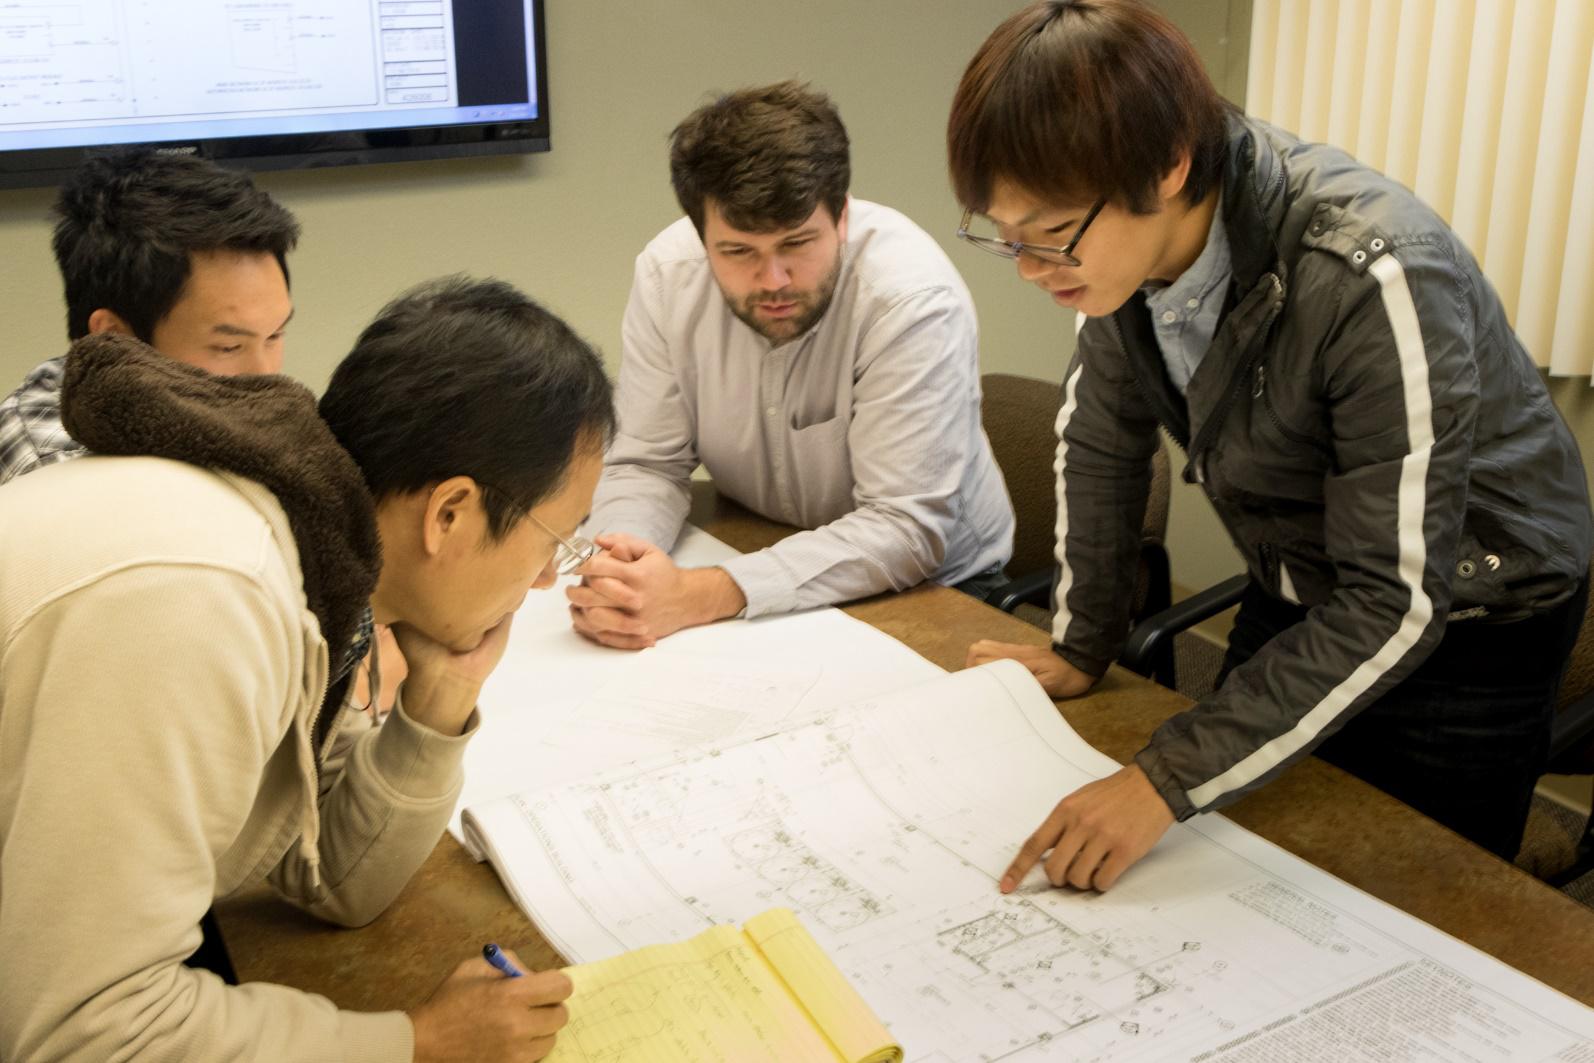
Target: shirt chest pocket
<point>821,469</point>
<point>811,410</point>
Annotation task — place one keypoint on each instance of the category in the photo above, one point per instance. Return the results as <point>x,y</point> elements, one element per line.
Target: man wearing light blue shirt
<point>819,356</point>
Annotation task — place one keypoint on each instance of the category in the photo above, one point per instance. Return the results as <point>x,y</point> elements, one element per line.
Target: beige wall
<point>566,226</point>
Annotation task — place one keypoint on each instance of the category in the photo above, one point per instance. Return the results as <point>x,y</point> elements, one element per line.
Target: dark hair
<point>766,156</point>
<point>127,222</point>
<point>463,377</point>
<point>1075,100</point>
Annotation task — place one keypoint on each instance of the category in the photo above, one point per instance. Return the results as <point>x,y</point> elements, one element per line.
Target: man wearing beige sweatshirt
<point>168,609</point>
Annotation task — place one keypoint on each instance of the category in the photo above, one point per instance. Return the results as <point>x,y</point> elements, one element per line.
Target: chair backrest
<point>1020,414</point>
<point>1572,736</point>
<point>1579,678</point>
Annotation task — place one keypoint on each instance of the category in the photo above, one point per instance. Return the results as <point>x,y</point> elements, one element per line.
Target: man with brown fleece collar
<point>168,609</point>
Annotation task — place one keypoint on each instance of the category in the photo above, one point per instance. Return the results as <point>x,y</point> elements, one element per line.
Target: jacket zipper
<point>1123,348</point>
<point>317,742</point>
<point>1221,412</point>
<point>1269,562</point>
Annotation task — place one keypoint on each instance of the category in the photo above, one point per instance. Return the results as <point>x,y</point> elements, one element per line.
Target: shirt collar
<point>1210,271</point>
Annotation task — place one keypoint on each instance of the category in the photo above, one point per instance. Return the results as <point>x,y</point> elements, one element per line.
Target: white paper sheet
<point>559,708</point>
<point>886,825</point>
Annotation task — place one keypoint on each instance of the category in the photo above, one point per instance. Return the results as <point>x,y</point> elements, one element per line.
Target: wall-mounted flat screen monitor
<point>268,84</point>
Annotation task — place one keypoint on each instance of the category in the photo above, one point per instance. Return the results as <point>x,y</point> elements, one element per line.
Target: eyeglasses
<point>1063,256</point>
<point>572,553</point>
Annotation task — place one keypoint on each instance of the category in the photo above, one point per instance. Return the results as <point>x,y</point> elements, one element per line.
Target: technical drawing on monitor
<point>155,60</point>
<point>268,83</point>
<point>262,42</point>
<point>60,61</point>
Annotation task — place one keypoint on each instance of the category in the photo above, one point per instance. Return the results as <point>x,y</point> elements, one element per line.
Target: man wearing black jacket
<point>1412,510</point>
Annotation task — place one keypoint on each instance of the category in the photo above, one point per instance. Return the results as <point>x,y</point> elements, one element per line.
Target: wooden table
<point>1314,810</point>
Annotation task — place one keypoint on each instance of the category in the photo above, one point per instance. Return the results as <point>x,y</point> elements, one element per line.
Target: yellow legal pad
<point>766,991</point>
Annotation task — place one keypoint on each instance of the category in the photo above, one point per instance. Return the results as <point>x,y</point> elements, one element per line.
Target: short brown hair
<point>1077,100</point>
<point>766,156</point>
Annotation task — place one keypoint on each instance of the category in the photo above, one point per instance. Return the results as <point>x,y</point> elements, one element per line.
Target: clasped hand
<point>633,594</point>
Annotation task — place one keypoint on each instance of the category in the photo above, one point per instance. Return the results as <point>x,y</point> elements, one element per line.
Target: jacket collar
<point>121,397</point>
<point>1253,202</point>
<point>1253,212</point>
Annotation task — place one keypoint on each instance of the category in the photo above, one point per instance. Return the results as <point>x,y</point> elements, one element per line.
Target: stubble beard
<point>811,307</point>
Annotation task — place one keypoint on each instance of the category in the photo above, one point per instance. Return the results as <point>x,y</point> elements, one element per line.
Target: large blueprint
<point>885,825</point>
<point>558,708</point>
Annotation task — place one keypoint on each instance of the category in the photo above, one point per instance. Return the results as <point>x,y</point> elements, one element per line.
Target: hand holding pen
<point>501,963</point>
<point>490,1008</point>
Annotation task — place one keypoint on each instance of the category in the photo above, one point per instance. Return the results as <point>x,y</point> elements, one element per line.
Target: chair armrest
<point>1153,635</point>
<point>1033,589</point>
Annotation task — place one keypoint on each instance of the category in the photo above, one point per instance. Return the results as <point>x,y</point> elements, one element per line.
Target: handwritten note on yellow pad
<point>766,991</point>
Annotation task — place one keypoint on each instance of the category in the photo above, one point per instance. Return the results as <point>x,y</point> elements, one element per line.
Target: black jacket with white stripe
<point>1373,435</point>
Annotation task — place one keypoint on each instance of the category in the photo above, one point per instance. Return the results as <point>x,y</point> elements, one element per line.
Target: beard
<point>811,306</point>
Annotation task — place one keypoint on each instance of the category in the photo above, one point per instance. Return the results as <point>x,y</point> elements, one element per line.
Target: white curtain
<point>1484,107</point>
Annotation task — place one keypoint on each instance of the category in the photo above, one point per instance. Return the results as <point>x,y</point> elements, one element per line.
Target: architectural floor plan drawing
<point>560,708</point>
<point>885,826</point>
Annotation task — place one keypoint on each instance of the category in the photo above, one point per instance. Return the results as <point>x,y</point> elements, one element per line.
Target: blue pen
<point>495,956</point>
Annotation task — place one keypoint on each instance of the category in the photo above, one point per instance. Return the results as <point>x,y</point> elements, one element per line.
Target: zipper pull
<point>1256,390</point>
<point>1269,569</point>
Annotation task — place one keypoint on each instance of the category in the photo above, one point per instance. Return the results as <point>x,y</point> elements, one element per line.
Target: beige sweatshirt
<point>159,678</point>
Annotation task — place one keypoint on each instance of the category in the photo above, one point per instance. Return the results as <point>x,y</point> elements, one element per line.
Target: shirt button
<point>1169,317</point>
<point>1191,304</point>
<point>771,411</point>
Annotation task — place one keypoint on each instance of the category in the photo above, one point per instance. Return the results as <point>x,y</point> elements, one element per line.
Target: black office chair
<point>1572,739</point>
<point>1019,414</point>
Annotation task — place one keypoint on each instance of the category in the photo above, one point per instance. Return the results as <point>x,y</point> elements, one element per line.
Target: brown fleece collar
<point>120,397</point>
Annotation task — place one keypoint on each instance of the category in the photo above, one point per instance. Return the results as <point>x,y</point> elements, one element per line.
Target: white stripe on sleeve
<point>1413,548</point>
<point>1065,574</point>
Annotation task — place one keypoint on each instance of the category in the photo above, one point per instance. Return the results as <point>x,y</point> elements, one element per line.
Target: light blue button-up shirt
<point>1185,314</point>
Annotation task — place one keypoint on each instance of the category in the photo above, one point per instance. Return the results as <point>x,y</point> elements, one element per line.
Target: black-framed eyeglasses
<point>1063,256</point>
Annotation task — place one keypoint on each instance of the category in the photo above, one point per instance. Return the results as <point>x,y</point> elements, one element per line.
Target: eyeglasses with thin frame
<point>1063,256</point>
<point>572,552</point>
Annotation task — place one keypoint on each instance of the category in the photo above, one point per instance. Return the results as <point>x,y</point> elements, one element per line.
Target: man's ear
<point>1171,187</point>
<point>453,508</point>
<point>841,222</point>
<point>103,320</point>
